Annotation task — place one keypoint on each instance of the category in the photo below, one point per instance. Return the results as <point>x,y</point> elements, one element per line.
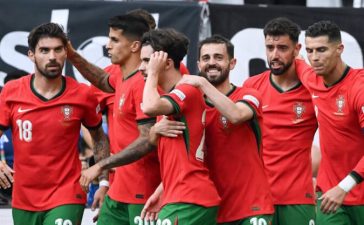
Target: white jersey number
<point>25,130</point>
<point>256,221</point>
<point>200,154</point>
<point>60,221</point>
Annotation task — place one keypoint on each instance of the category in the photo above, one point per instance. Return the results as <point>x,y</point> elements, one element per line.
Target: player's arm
<point>97,76</point>
<point>136,150</point>
<point>6,178</point>
<point>235,112</point>
<point>153,205</point>
<point>153,104</point>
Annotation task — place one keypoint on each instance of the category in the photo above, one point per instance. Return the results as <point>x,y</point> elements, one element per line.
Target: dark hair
<point>51,30</point>
<point>133,27</point>
<point>15,74</point>
<point>168,40</point>
<point>218,39</point>
<point>324,28</point>
<point>282,26</point>
<point>145,15</point>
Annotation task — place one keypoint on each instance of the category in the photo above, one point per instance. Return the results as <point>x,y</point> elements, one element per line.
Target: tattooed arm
<point>97,76</point>
<point>101,148</point>
<point>136,150</point>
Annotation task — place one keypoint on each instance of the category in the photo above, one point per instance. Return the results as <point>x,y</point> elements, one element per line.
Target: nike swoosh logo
<point>265,106</point>
<point>315,96</point>
<point>20,110</point>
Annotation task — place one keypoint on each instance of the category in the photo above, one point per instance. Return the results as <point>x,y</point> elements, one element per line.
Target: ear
<point>297,49</point>
<point>169,64</point>
<point>340,48</point>
<point>232,63</point>
<point>199,66</point>
<point>135,46</point>
<point>31,55</point>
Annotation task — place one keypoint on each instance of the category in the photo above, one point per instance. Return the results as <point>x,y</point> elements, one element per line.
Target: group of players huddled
<point>188,150</point>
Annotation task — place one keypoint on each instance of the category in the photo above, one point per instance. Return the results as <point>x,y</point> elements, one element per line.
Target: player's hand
<point>88,175</point>
<point>6,177</point>
<point>169,128</point>
<point>332,200</point>
<point>98,200</point>
<point>71,51</point>
<point>193,80</point>
<point>151,208</point>
<point>157,63</point>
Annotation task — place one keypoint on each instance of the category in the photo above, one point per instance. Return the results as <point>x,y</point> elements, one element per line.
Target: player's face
<point>118,47</point>
<point>281,52</point>
<point>323,54</point>
<point>49,57</point>
<point>214,63</point>
<point>145,54</point>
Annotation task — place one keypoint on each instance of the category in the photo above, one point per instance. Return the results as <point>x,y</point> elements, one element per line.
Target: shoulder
<point>256,80</point>
<point>15,85</point>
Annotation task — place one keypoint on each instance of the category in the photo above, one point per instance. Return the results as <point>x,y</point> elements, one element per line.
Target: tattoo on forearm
<point>136,150</point>
<point>97,76</point>
<point>101,147</point>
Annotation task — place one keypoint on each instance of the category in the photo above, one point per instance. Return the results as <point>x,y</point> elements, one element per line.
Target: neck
<point>46,87</point>
<point>169,80</point>
<point>131,65</point>
<point>287,80</point>
<point>224,87</point>
<point>335,75</point>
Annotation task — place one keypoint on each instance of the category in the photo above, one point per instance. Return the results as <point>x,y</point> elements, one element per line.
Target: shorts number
<point>258,221</point>
<point>25,130</point>
<point>164,222</point>
<point>312,222</point>
<point>138,220</point>
<point>60,221</point>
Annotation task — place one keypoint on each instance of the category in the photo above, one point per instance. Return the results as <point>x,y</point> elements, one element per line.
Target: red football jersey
<point>106,101</point>
<point>133,183</point>
<point>45,137</point>
<point>184,174</point>
<point>234,160</point>
<point>288,129</point>
<point>340,115</point>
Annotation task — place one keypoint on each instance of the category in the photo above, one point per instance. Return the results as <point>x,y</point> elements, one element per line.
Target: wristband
<point>347,183</point>
<point>104,183</point>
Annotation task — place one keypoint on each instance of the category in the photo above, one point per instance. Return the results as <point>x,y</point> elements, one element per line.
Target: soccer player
<point>45,111</point>
<point>288,128</point>
<point>337,93</point>
<point>233,137</point>
<point>134,183</point>
<point>189,196</point>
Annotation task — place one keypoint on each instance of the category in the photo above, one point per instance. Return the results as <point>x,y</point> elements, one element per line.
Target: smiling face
<point>281,52</point>
<point>49,57</point>
<point>214,63</point>
<point>323,54</point>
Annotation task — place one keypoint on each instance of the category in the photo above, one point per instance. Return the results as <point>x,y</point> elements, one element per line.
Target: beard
<point>50,74</point>
<point>215,80</point>
<point>282,69</point>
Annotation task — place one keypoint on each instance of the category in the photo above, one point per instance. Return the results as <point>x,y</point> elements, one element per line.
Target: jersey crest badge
<point>224,121</point>
<point>340,104</point>
<point>67,112</point>
<point>298,109</point>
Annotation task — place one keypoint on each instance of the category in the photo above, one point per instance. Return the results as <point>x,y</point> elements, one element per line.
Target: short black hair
<point>168,40</point>
<point>218,39</point>
<point>133,27</point>
<point>145,15</point>
<point>324,28</point>
<point>51,30</point>
<point>282,26</point>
